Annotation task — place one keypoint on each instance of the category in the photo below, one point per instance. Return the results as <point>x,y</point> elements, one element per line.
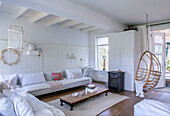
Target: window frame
<point>96,51</point>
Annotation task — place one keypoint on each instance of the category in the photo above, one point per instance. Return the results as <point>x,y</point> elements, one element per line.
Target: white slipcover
<point>151,108</point>
<point>45,109</point>
<point>21,105</point>
<point>6,106</point>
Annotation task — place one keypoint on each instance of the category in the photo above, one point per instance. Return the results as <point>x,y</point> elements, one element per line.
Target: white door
<point>158,48</point>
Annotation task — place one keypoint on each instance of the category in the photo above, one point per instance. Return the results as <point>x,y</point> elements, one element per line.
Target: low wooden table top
<point>72,100</point>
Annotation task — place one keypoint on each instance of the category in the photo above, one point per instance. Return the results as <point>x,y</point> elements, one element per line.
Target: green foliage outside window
<point>102,51</point>
<point>167,64</point>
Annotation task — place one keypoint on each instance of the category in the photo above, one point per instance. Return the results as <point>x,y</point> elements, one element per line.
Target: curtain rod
<point>155,23</point>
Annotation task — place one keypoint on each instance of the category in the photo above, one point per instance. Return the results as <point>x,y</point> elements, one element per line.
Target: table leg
<point>71,107</point>
<point>61,102</point>
<point>106,93</point>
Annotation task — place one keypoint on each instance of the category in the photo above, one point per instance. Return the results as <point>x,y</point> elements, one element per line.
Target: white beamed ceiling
<point>37,16</point>
<point>71,11</point>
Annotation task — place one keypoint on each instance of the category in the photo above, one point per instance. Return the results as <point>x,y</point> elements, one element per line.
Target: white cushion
<point>9,80</point>
<point>30,79</point>
<point>76,75</point>
<point>36,87</point>
<point>70,73</point>
<point>26,96</point>
<point>44,108</point>
<point>6,108</point>
<point>21,105</point>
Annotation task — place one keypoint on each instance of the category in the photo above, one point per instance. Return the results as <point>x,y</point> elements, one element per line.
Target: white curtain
<point>144,37</point>
<point>146,45</point>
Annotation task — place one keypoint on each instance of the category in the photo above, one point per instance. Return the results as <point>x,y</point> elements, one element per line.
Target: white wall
<point>56,42</point>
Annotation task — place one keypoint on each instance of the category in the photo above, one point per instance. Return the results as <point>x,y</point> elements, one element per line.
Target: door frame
<point>163,54</point>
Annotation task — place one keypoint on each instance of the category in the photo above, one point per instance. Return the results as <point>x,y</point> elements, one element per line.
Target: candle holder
<point>104,62</point>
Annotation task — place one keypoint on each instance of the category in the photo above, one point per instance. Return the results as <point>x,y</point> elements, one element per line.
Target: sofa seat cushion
<point>66,82</point>
<point>87,78</point>
<point>44,112</point>
<point>77,80</point>
<point>35,87</point>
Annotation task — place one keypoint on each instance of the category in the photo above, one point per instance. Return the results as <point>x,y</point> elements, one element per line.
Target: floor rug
<point>91,107</point>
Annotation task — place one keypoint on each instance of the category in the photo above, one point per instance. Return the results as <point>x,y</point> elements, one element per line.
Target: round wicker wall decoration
<point>14,51</point>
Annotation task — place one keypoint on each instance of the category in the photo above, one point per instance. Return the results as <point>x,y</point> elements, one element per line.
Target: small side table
<point>116,81</point>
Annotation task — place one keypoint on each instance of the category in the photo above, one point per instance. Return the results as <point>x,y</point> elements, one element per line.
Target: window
<point>102,47</point>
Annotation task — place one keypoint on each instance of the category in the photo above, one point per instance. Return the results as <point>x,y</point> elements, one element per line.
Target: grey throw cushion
<point>48,76</point>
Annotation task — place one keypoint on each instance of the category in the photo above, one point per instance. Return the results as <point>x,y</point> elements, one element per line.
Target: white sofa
<point>14,104</point>
<point>38,83</point>
<point>44,88</point>
<point>35,84</point>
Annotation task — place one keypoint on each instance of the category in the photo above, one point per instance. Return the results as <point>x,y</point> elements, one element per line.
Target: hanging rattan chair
<point>148,70</point>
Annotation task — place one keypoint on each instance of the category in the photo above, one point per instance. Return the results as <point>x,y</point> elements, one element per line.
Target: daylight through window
<point>102,48</point>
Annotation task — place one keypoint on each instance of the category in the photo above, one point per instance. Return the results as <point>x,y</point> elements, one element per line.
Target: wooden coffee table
<point>70,100</point>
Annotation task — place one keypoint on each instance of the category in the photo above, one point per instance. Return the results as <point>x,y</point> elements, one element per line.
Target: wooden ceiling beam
<point>69,23</point>
<point>56,20</point>
<point>92,28</point>
<point>80,26</point>
<point>39,17</point>
<point>21,11</point>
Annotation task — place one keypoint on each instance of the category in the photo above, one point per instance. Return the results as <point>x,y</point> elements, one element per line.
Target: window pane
<point>158,39</point>
<point>102,40</point>
<point>159,58</point>
<point>102,53</point>
<point>158,48</point>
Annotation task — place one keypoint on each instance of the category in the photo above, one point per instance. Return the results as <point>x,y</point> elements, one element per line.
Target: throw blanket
<point>55,85</point>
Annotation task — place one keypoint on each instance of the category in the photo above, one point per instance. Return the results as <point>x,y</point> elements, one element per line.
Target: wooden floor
<point>124,108</point>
